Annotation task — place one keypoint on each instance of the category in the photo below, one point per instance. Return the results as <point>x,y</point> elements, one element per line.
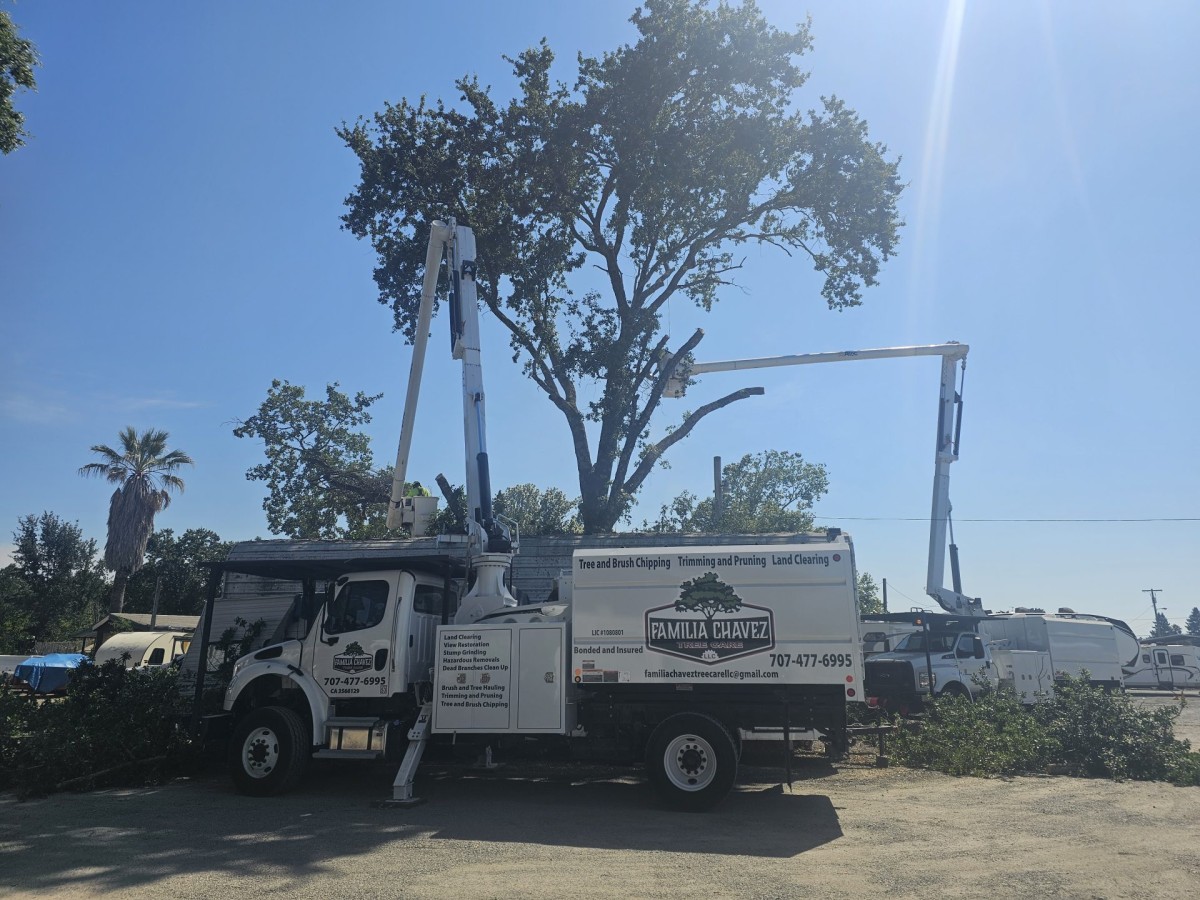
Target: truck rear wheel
<point>692,761</point>
<point>269,751</point>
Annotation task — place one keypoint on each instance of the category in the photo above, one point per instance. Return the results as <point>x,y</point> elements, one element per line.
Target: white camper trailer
<point>1168,667</point>
<point>144,648</point>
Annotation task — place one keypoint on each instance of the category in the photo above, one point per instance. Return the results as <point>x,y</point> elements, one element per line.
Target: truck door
<point>420,633</point>
<point>353,655</point>
<point>971,658</point>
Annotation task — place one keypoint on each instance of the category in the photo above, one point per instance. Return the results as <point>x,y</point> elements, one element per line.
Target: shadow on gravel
<point>118,840</point>
<point>616,810</point>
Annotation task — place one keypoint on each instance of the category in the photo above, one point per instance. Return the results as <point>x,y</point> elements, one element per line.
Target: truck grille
<point>889,677</point>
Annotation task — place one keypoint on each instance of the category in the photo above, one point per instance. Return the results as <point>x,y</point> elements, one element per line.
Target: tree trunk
<point>116,600</point>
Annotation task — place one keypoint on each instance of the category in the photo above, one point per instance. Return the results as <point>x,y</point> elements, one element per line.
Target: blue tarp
<point>49,673</point>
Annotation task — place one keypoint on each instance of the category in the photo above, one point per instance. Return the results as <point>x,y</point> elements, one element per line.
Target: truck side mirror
<point>979,653</point>
<point>325,623</point>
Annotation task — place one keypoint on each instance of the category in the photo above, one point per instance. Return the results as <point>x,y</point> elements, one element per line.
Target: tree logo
<point>353,659</point>
<point>709,623</point>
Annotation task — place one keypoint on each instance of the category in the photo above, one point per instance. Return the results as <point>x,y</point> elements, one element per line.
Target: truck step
<point>348,754</point>
<point>351,721</point>
<point>355,734</point>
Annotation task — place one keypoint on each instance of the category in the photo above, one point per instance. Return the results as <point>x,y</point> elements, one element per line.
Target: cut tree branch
<point>654,453</point>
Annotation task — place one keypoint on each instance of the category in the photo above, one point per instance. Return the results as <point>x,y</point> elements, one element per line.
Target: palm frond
<point>172,481</point>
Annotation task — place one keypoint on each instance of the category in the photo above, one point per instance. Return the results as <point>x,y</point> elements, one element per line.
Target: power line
<point>926,519</point>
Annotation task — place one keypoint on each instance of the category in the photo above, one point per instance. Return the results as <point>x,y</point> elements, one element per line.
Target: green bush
<point>1084,730</point>
<point>1103,734</point>
<point>113,726</point>
<point>1186,772</point>
<point>991,736</point>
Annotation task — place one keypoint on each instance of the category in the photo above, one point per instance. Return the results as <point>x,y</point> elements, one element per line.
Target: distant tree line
<point>56,586</point>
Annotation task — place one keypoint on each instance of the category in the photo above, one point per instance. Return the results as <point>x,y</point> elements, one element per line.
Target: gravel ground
<point>566,831</point>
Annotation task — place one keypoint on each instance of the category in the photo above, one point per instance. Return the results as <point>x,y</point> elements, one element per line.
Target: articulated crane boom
<point>490,544</point>
<point>954,360</point>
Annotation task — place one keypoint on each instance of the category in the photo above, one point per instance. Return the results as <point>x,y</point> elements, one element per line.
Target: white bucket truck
<point>662,654</point>
<point>955,656</point>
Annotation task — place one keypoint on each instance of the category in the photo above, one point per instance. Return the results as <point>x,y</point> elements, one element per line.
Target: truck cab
<point>925,663</point>
<point>364,660</point>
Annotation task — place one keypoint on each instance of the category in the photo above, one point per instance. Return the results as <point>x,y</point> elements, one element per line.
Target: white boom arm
<point>456,243</point>
<point>438,238</point>
<point>954,358</point>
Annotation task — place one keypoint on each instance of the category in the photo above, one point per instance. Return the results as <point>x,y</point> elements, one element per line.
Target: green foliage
<point>17,59</point>
<point>707,594</point>
<point>144,471</point>
<point>535,511</point>
<point>1163,628</point>
<point>320,472</point>
<point>1103,734</point>
<point>323,484</point>
<point>1084,730</point>
<point>869,600</point>
<point>55,586</point>
<point>17,631</point>
<point>1193,621</point>
<point>763,493</point>
<point>114,726</point>
<point>538,511</point>
<point>658,166</point>
<point>183,564</point>
<point>993,736</point>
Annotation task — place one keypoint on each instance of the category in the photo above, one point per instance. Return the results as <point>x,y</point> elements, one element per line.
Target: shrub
<point>1104,735</point>
<point>992,736</point>
<point>1085,729</point>
<point>113,726</point>
<point>1186,772</point>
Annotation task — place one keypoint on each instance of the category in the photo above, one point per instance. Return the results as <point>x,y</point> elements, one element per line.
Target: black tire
<point>692,761</point>
<point>269,751</point>
<point>954,689</point>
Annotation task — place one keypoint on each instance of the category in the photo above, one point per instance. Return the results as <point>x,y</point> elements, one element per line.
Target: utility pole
<point>1154,592</point>
<point>718,493</point>
<point>154,610</point>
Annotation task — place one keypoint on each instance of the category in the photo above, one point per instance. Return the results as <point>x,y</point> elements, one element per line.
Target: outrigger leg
<point>402,787</point>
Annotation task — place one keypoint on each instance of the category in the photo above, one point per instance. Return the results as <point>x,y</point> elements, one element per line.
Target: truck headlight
<point>926,678</point>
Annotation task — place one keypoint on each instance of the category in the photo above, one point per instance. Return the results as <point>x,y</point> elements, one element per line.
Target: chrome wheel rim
<point>260,752</point>
<point>690,763</point>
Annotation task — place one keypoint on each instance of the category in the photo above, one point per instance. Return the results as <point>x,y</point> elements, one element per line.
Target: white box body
<point>764,615</point>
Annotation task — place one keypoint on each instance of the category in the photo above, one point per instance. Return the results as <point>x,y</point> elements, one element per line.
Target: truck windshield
<point>915,643</point>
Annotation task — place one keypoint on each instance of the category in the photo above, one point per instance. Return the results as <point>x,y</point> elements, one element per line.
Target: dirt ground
<point>566,831</point>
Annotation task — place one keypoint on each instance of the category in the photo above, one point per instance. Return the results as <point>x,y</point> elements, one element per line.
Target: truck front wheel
<point>692,761</point>
<point>269,751</point>
<point>954,689</point>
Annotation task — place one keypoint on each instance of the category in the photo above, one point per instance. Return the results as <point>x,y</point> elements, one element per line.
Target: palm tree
<point>144,469</point>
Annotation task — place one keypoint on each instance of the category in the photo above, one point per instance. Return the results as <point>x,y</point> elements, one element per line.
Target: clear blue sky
<point>170,242</point>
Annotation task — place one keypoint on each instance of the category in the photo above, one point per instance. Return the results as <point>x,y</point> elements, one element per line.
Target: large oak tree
<point>657,166</point>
